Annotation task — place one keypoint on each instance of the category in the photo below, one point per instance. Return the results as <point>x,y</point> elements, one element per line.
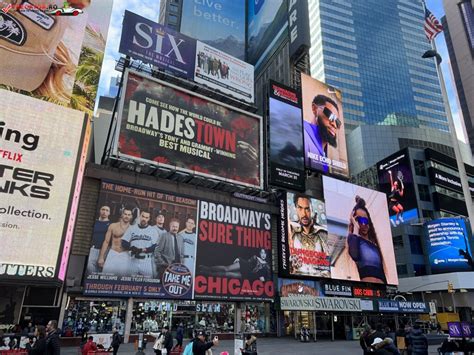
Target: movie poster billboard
<point>166,125</point>
<point>359,230</point>
<point>396,181</point>
<point>40,149</point>
<point>234,254</point>
<point>266,21</point>
<point>158,45</point>
<point>220,24</point>
<point>225,73</point>
<point>143,244</point>
<point>68,50</point>
<point>303,237</point>
<point>286,160</point>
<point>449,249</point>
<point>323,128</point>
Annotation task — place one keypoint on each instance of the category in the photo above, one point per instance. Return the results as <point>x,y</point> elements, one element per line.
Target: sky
<point>150,10</point>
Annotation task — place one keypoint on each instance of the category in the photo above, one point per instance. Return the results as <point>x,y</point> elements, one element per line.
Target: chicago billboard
<point>166,125</point>
<point>359,228</point>
<point>449,249</point>
<point>286,161</point>
<point>396,180</point>
<point>41,146</point>
<point>220,24</point>
<point>323,127</point>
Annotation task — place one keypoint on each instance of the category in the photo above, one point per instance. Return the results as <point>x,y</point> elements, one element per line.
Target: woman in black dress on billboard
<point>396,194</point>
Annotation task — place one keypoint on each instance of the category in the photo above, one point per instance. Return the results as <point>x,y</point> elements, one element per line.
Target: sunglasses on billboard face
<point>362,220</point>
<point>332,117</point>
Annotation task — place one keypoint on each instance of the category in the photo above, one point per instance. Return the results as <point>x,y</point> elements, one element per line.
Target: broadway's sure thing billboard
<point>396,181</point>
<point>40,146</point>
<point>359,230</point>
<point>148,243</point>
<point>161,123</point>
<point>323,126</point>
<point>286,161</point>
<point>448,245</point>
<point>220,24</point>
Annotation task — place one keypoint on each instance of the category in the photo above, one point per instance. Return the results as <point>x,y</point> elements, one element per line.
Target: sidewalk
<point>270,346</point>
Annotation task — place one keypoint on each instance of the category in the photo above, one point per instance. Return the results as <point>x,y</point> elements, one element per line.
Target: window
<point>172,19</point>
<point>428,214</point>
<point>419,167</point>
<point>173,8</point>
<point>424,192</point>
<point>415,245</point>
<point>420,269</point>
<point>402,269</point>
<point>398,242</point>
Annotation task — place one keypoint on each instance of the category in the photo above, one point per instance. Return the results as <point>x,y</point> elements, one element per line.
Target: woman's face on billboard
<point>363,221</point>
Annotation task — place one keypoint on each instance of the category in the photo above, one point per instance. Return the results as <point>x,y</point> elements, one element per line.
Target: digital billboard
<point>234,254</point>
<point>40,147</point>
<point>359,228</point>
<point>220,24</point>
<point>286,158</point>
<point>448,245</point>
<point>323,128</point>
<point>396,181</point>
<point>166,125</point>
<point>266,20</point>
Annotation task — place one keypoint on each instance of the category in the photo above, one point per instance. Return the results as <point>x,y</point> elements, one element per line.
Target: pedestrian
<point>168,339</point>
<point>250,345</point>
<point>180,335</point>
<point>52,338</point>
<point>200,346</point>
<point>39,346</point>
<point>89,346</point>
<point>158,344</point>
<point>417,343</point>
<point>116,340</point>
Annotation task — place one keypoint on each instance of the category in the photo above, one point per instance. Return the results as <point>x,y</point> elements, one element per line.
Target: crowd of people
<point>213,66</point>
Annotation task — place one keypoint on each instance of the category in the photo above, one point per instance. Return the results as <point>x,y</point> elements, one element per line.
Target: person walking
<point>200,346</point>
<point>52,338</point>
<point>168,340</point>
<point>116,340</point>
<point>39,347</point>
<point>180,335</point>
<point>89,346</point>
<point>417,343</point>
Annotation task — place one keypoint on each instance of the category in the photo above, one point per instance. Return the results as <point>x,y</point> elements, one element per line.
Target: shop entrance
<point>323,326</point>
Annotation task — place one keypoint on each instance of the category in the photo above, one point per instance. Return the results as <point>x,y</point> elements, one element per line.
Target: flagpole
<point>454,139</point>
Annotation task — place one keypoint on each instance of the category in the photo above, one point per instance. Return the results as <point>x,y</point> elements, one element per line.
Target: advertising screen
<point>359,227</point>
<point>323,127</point>
<point>396,180</point>
<point>218,70</point>
<point>234,255</point>
<point>163,124</point>
<point>40,144</point>
<point>266,19</point>
<point>220,24</point>
<point>286,161</point>
<point>448,245</point>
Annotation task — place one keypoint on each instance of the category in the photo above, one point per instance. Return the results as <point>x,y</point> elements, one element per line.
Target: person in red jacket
<point>89,346</point>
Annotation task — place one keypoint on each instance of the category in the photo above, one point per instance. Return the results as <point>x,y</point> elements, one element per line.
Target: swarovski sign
<point>311,303</point>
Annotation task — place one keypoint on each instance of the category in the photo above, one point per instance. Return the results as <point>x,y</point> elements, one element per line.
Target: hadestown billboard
<point>41,155</point>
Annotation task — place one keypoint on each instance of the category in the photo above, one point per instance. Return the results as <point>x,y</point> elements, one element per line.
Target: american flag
<point>432,25</point>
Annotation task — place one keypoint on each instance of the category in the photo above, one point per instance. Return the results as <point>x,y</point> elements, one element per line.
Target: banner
<point>441,178</point>
<point>218,70</point>
<point>396,180</point>
<point>448,245</point>
<point>337,290</point>
<point>303,236</point>
<point>234,255</point>
<point>311,303</point>
<point>40,147</point>
<point>298,23</point>
<point>165,125</point>
<point>323,128</point>
<point>359,232</point>
<point>388,306</point>
<point>286,161</point>
<point>143,244</point>
<point>158,45</point>
<point>412,307</point>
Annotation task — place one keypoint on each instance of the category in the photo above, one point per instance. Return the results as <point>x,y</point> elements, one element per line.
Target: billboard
<point>166,125</point>
<point>359,228</point>
<point>143,244</point>
<point>266,20</point>
<point>448,245</point>
<point>286,160</point>
<point>441,178</point>
<point>234,254</point>
<point>40,147</point>
<point>158,45</point>
<point>218,70</point>
<point>220,24</point>
<point>303,237</point>
<point>68,51</point>
<point>298,26</point>
<point>323,128</point>
<point>396,180</point>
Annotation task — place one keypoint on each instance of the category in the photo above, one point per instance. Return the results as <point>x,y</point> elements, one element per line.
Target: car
<point>64,11</point>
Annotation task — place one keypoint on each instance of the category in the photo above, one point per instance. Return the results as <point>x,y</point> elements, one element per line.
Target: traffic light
<point>450,287</point>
